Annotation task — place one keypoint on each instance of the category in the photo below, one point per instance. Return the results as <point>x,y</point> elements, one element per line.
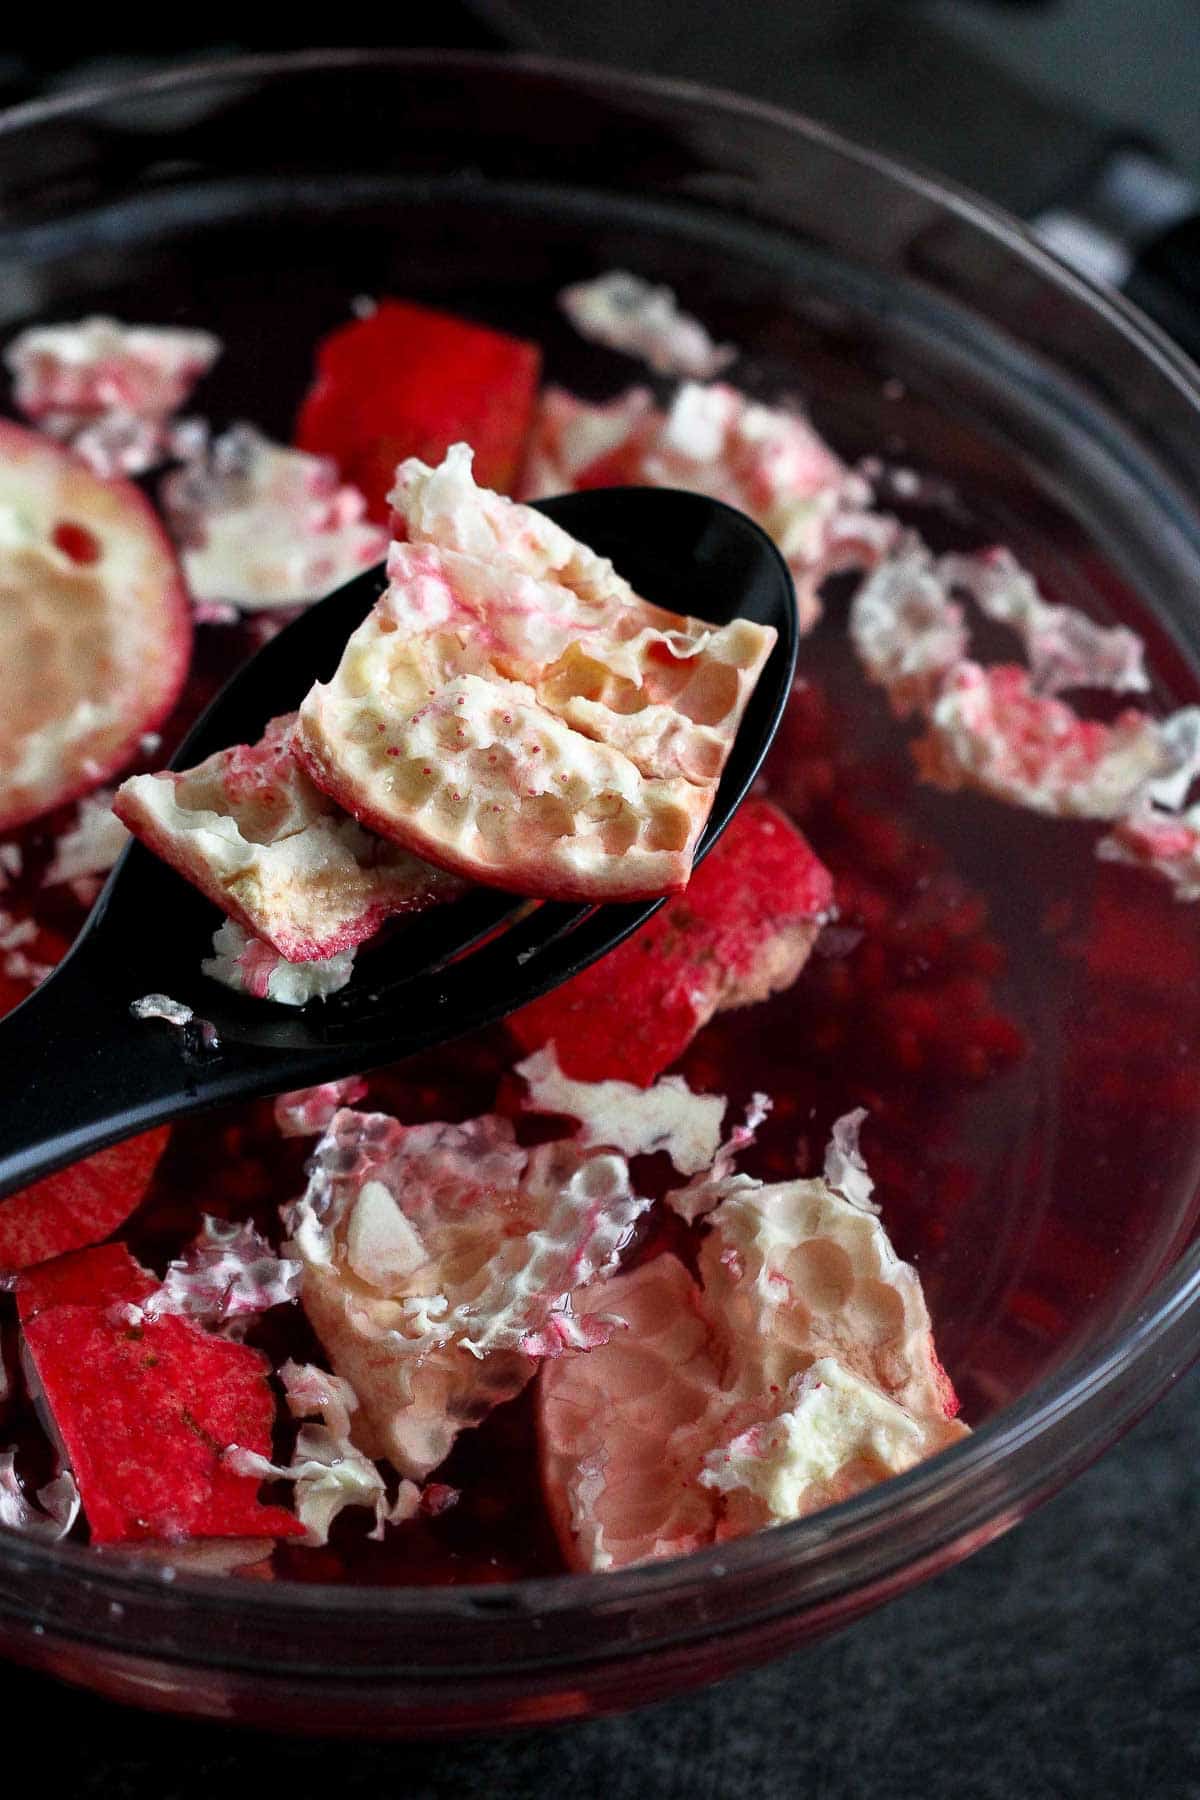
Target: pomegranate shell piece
<point>95,625</point>
<point>743,930</point>
<point>253,833</point>
<point>81,1204</point>
<point>512,711</point>
<point>145,1407</point>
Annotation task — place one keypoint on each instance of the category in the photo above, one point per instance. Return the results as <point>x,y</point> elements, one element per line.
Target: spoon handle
<point>78,1073</point>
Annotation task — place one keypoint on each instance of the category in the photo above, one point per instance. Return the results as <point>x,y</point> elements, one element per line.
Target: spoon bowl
<point>81,1072</point>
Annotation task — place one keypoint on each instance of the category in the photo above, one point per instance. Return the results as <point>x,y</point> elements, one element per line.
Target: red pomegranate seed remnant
<point>909,978</point>
<point>76,541</point>
<point>145,1406</point>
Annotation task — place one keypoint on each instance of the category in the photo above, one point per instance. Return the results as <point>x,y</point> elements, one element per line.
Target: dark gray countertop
<point>1061,1661</point>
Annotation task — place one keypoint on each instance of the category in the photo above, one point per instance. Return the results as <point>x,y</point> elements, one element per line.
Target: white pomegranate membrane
<point>1001,729</point>
<point>262,526</point>
<point>626,313</point>
<point>511,710</point>
<point>766,461</point>
<point>110,390</point>
<point>255,835</point>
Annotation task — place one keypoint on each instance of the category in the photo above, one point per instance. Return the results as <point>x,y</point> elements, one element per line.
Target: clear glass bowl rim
<point>937,1512</point>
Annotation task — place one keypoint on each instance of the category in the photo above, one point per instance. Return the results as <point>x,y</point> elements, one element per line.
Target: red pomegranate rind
<point>79,1205</point>
<point>409,381</point>
<point>743,930</point>
<point>107,1276</point>
<point>254,834</point>
<point>94,650</point>
<point>146,1409</point>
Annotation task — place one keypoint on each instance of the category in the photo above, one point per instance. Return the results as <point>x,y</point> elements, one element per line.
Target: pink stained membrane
<point>766,461</point>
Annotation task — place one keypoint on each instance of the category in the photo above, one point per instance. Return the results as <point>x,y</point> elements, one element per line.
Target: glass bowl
<point>256,198</point>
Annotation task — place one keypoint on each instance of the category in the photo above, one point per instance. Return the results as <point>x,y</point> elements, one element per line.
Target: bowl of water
<point>1036,1151</point>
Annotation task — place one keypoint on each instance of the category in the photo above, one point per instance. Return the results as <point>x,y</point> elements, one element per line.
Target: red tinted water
<point>1022,1023</point>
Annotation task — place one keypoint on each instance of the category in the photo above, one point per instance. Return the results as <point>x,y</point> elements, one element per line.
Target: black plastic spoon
<point>78,1071</point>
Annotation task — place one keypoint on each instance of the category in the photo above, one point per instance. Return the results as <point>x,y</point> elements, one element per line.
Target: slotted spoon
<point>79,1071</point>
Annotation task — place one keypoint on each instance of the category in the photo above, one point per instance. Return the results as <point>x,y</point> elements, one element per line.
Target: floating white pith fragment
<point>988,730</point>
<point>906,629</point>
<point>249,966</point>
<point>99,365</point>
<point>19,967</point>
<point>1065,649</point>
<point>109,389</point>
<point>766,461</point>
<point>260,525</point>
<point>712,1185</point>
<point>1000,729</point>
<point>442,1260</point>
<point>1180,733</point>
<point>834,1419</point>
<point>1159,833</point>
<point>1162,843</point>
<point>92,845</point>
<point>845,1171</point>
<point>228,1273</point>
<point>626,313</point>
<point>329,1471</point>
<point>161,1006</point>
<point>16,932</point>
<point>307,1112</point>
<point>121,443</point>
<point>907,625</point>
<point>616,1115</point>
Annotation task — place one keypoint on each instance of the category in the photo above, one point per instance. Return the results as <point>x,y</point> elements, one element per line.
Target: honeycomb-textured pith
<point>511,710</point>
<point>441,1263</point>
<point>95,626</point>
<point>255,835</point>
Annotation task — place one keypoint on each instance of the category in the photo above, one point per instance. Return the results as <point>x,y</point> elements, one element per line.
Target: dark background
<point>1062,1660</point>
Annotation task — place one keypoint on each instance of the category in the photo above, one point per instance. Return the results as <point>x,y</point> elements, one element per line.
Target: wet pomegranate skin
<point>409,381</point>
